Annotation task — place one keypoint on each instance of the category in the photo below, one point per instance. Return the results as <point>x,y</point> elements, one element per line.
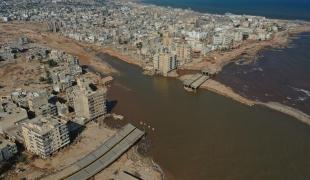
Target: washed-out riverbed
<point>208,136</point>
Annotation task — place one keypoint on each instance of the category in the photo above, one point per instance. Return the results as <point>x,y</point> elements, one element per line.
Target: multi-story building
<point>70,94</point>
<point>45,135</point>
<point>165,62</point>
<point>7,149</point>
<point>218,39</point>
<point>183,51</point>
<point>10,115</point>
<point>150,29</point>
<point>37,99</point>
<point>61,80</point>
<point>223,40</point>
<point>90,104</point>
<point>38,103</point>
<point>19,97</point>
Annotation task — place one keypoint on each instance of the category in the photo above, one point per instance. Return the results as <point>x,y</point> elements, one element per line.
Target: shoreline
<point>282,40</point>
<point>249,48</point>
<point>114,53</point>
<point>143,2</point>
<point>221,89</point>
<point>218,59</point>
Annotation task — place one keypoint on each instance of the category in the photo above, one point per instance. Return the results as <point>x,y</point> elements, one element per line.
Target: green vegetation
<point>42,79</point>
<point>52,63</point>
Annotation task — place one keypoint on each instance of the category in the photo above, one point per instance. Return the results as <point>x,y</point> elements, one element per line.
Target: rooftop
<point>4,143</point>
<point>42,125</point>
<point>10,115</point>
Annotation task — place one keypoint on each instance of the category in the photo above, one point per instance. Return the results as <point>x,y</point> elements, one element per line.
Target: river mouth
<point>279,75</point>
<point>208,136</point>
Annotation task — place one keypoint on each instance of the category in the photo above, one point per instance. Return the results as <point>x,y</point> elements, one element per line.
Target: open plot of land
<point>90,139</point>
<point>20,74</point>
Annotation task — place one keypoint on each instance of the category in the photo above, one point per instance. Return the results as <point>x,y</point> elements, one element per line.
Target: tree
<point>139,45</point>
<point>42,79</point>
<point>52,63</point>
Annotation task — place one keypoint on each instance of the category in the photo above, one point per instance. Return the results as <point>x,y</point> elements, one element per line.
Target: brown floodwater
<point>208,136</point>
<point>281,75</point>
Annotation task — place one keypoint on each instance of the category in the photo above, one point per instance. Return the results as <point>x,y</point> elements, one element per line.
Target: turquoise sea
<point>282,9</point>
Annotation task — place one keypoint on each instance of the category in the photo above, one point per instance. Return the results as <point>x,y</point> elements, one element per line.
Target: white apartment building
<point>45,135</point>
<point>165,62</point>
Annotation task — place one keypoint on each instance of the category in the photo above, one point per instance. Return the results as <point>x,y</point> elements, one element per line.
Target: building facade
<point>7,149</point>
<point>45,135</point>
<point>165,62</point>
<point>38,103</point>
<point>90,104</point>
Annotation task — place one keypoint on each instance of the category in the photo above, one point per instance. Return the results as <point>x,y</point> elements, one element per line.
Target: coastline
<point>219,12</point>
<point>217,87</point>
<point>281,40</point>
<point>218,59</point>
<point>89,58</point>
<point>271,131</point>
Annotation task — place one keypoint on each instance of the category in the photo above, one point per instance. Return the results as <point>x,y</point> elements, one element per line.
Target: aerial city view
<point>155,89</point>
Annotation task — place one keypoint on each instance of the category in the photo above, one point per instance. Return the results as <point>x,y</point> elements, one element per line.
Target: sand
<point>217,60</point>
<point>15,73</point>
<point>36,32</point>
<point>84,144</point>
<point>224,90</point>
<point>20,74</point>
<point>221,89</point>
<point>118,55</point>
<point>305,118</point>
<point>133,163</point>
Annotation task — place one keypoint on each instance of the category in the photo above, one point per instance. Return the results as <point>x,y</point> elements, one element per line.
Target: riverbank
<point>227,134</point>
<point>116,53</point>
<point>220,59</point>
<point>221,89</point>
<point>87,141</point>
<point>19,73</point>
